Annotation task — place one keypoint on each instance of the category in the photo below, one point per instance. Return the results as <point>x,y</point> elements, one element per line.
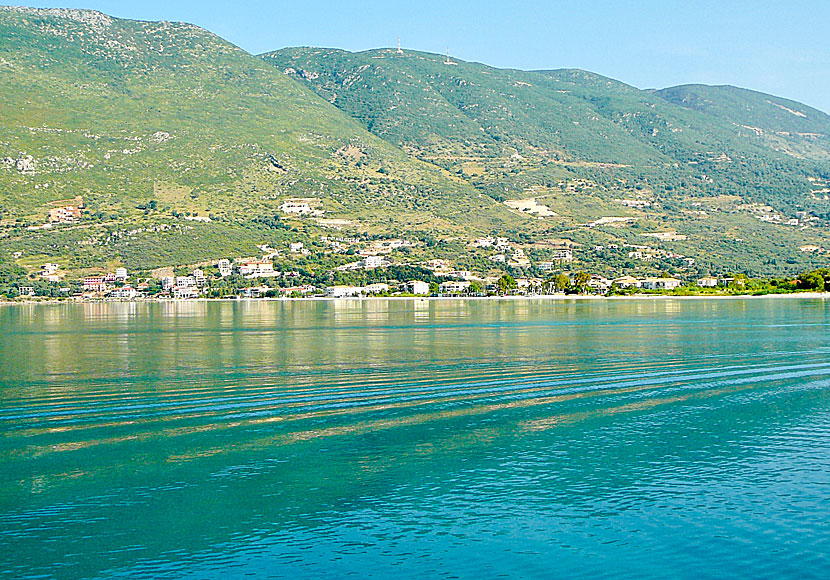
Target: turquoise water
<point>417,439</point>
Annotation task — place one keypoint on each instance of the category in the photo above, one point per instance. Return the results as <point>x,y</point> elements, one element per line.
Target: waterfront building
<point>344,291</point>
<point>454,287</point>
<point>660,283</point>
<point>417,287</point>
<point>184,292</point>
<point>94,284</point>
<point>625,282</point>
<point>124,293</point>
<point>254,292</point>
<point>377,288</point>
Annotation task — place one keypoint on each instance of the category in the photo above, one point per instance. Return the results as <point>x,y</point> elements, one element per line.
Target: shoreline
<point>551,297</point>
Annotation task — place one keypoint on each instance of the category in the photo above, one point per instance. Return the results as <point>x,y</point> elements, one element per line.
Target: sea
<point>464,439</point>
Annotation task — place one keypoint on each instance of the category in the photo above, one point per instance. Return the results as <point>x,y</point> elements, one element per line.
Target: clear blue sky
<point>773,46</point>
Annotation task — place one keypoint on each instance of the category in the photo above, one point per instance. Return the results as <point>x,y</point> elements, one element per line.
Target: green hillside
<point>785,126</point>
<point>590,147</point>
<point>153,121</point>
<point>184,148</point>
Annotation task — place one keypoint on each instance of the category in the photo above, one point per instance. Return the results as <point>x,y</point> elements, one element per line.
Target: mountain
<point>152,122</point>
<point>715,169</point>
<point>185,148</point>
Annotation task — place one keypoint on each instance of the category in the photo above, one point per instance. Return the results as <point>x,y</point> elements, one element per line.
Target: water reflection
<point>479,438</point>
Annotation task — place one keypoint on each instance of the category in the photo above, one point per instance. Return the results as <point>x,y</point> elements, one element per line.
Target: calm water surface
<point>419,439</point>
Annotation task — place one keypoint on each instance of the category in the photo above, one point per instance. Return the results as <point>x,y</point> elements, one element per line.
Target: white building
<point>660,283</point>
<point>199,277</point>
<point>304,289</point>
<point>454,287</point>
<point>94,284</point>
<point>599,283</point>
<point>417,287</point>
<point>519,258</point>
<point>344,291</point>
<point>564,255</point>
<point>707,282</point>
<point>377,288</point>
<point>168,282</point>
<point>224,267</point>
<point>295,247</point>
<point>121,274</point>
<point>625,282</point>
<point>370,262</point>
<point>49,273</point>
<point>185,282</point>
<point>185,292</point>
<point>254,292</point>
<point>124,293</point>
<point>296,207</point>
<point>257,269</point>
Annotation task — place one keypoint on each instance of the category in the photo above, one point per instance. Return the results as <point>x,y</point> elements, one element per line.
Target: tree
<point>581,281</point>
<point>561,282</point>
<point>476,287</point>
<point>506,282</point>
<point>811,281</point>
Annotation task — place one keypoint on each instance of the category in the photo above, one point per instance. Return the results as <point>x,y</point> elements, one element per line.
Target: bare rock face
<point>160,137</point>
<point>95,20</point>
<point>25,164</point>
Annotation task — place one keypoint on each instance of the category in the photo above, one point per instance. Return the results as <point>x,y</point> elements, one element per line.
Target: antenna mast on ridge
<point>448,61</point>
<point>400,51</point>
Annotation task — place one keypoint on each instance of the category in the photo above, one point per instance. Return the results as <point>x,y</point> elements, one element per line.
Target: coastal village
<point>379,261</point>
<point>365,266</point>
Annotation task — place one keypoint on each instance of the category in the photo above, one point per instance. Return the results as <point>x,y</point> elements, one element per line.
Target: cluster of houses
<point>456,283</point>
<point>373,255</point>
<point>114,285</point>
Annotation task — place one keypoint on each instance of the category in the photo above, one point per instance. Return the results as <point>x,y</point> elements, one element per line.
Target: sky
<point>777,47</point>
